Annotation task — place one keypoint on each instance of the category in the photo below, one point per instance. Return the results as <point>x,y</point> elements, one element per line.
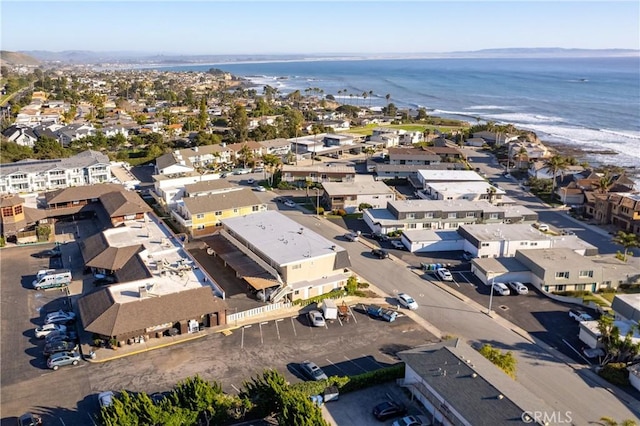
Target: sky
<point>316,27</point>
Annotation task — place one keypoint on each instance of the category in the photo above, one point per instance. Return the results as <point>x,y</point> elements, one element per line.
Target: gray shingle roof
<point>122,203</point>
<point>222,201</point>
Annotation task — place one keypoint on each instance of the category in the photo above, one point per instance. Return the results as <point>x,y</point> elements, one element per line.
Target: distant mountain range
<point>36,57</point>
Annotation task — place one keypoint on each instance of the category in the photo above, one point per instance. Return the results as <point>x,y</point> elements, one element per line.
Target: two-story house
<point>318,173</point>
<point>348,196</point>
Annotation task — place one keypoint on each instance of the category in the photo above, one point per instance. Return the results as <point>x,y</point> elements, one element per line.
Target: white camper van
<point>52,279</point>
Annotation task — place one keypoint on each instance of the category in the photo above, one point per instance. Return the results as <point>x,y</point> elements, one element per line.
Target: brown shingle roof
<point>77,193</point>
<point>123,203</point>
<point>222,201</point>
<point>92,246</point>
<point>114,258</point>
<point>208,185</point>
<point>101,314</point>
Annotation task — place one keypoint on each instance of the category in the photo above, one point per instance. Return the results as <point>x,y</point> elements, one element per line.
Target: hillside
<point>16,58</point>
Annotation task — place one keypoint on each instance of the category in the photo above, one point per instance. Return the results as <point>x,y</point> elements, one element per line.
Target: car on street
<point>105,399</point>
<point>518,287</point>
<point>407,301</point>
<point>388,409</point>
<point>567,232</point>
<point>47,253</point>
<point>289,203</point>
<point>316,319</point>
<point>59,346</point>
<point>29,419</point>
<point>312,371</point>
<point>45,330</point>
<point>412,421</point>
<point>593,352</point>
<point>60,317</point>
<point>579,315</point>
<point>501,289</point>
<point>467,256</point>
<point>380,253</point>
<point>351,236</point>
<point>259,188</point>
<point>397,244</point>
<point>61,359</point>
<point>251,181</point>
<point>444,274</point>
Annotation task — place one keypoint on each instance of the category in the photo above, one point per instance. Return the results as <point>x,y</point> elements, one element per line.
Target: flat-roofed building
<point>300,263</point>
<point>431,214</point>
<point>498,240</point>
<point>466,190</point>
<point>318,173</point>
<point>348,196</point>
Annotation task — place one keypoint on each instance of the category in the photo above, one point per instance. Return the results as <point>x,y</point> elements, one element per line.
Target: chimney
<point>142,291</point>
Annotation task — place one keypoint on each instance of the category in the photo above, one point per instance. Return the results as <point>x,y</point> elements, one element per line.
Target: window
<point>200,227</point>
<point>524,243</point>
<point>494,216</point>
<point>200,216</point>
<point>534,243</point>
<point>471,214</point>
<point>7,211</point>
<point>585,274</point>
<point>563,275</point>
<point>18,209</point>
<point>484,245</point>
<point>428,215</point>
<point>579,286</point>
<point>235,210</point>
<point>218,213</point>
<point>560,287</point>
<point>411,215</point>
<point>298,266</point>
<point>411,225</point>
<point>452,215</point>
<point>255,208</point>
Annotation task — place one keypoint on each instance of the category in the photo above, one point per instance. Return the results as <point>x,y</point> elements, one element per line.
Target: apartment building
<point>349,196</point>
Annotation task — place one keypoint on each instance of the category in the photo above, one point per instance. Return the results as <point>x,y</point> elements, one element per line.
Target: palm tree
<point>370,96</point>
<point>555,164</point>
<point>246,154</point>
<point>604,183</point>
<point>388,98</point>
<point>491,193</point>
<point>522,155</point>
<point>364,98</point>
<point>627,240</point>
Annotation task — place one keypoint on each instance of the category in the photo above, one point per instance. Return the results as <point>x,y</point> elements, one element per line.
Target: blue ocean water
<point>592,103</point>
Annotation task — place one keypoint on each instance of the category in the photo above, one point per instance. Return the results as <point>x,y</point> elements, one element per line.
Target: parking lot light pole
<point>491,296</point>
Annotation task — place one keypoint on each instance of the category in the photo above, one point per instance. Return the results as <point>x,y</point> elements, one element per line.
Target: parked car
<point>444,274</point>
<point>251,181</point>
<point>42,332</point>
<point>580,315</point>
<point>380,253</point>
<point>501,289</point>
<point>312,371</point>
<point>316,318</point>
<point>351,236</point>
<point>60,317</point>
<point>56,336</point>
<point>388,409</point>
<point>468,256</point>
<point>567,232</point>
<point>29,419</point>
<point>407,301</point>
<point>105,399</point>
<point>542,227</point>
<point>593,352</point>
<point>259,188</point>
<point>289,203</point>
<point>412,421</point>
<point>104,281</point>
<point>59,346</point>
<point>518,287</point>
<point>397,244</point>
<point>379,236</point>
<point>61,359</point>
<point>42,272</point>
<point>48,253</point>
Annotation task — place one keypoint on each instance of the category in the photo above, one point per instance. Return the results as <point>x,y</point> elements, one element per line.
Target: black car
<point>59,346</point>
<point>380,253</point>
<point>388,409</point>
<point>378,236</point>
<point>48,253</point>
<point>29,419</point>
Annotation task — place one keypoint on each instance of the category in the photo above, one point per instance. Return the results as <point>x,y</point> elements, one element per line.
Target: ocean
<point>592,104</point>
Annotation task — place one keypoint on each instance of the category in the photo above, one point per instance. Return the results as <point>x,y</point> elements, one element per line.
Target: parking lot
<point>537,314</point>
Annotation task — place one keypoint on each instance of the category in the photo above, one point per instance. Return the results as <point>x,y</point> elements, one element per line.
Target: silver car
<point>312,371</point>
<point>316,318</point>
<point>60,359</point>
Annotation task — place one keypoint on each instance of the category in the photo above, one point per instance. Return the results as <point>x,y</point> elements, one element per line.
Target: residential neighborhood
<point>169,215</point>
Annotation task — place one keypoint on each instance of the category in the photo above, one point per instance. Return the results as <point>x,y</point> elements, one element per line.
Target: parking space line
<point>235,388</point>
<point>294,327</point>
<point>373,360</point>
<point>340,321</point>
<point>260,325</point>
<point>340,369</point>
<point>355,363</point>
<point>277,328</point>
<point>576,351</point>
<point>352,315</point>
<point>242,339</point>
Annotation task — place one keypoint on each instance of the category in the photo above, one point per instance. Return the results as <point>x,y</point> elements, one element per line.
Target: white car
<point>351,236</point>
<point>289,203</point>
<point>580,315</point>
<point>444,274</point>
<point>45,330</point>
<point>316,318</point>
<point>518,287</point>
<point>501,289</point>
<point>412,421</point>
<point>251,181</point>
<point>407,301</point>
<point>397,244</point>
<point>259,188</point>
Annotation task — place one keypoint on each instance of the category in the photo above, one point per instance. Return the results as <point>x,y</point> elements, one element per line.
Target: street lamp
<point>491,296</point>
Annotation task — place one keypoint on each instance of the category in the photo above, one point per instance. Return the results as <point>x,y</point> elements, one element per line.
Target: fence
<point>239,316</point>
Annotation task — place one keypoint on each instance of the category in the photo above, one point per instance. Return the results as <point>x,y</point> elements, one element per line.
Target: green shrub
<point>615,373</point>
<point>341,212</point>
<point>353,383</point>
<point>3,242</point>
<point>334,294</point>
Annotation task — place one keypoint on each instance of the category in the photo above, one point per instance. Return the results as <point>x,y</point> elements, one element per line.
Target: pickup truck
<point>384,314</point>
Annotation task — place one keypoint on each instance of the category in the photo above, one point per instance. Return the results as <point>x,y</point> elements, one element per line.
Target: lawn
<point>368,130</point>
